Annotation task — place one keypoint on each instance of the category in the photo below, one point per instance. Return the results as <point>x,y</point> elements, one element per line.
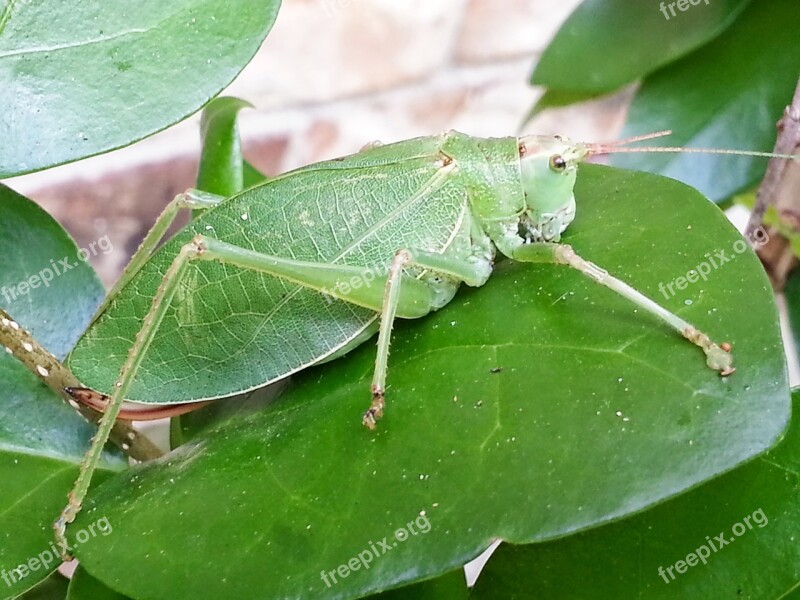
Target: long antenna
<point>618,147</point>
<point>639,138</point>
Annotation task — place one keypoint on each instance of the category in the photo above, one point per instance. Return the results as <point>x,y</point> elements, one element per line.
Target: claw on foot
<point>375,411</point>
<point>718,357</point>
<point>60,530</point>
<point>66,517</point>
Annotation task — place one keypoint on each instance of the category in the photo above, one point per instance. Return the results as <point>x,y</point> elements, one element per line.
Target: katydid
<point>304,267</point>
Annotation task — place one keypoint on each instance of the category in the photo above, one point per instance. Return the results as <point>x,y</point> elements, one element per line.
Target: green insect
<point>303,268</point>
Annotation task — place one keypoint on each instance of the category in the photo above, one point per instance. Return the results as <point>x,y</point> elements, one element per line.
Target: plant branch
<point>780,188</point>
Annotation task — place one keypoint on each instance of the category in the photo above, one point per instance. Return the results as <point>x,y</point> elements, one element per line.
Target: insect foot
<point>718,358</point>
<point>66,517</point>
<point>375,411</point>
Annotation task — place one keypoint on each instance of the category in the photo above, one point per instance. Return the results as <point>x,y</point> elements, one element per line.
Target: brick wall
<point>332,76</point>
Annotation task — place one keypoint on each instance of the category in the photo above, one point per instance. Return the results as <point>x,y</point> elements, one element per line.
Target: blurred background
<point>332,76</point>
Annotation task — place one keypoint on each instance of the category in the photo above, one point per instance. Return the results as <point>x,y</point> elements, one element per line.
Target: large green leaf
<point>792,294</point>
<point>623,560</point>
<point>555,98</point>
<point>450,586</point>
<point>729,95</point>
<point>251,175</point>
<point>221,169</point>
<point>81,78</point>
<point>41,438</point>
<point>85,587</point>
<point>534,407</point>
<point>605,44</point>
<point>52,588</point>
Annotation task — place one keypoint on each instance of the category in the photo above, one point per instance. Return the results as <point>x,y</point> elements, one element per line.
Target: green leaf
<point>451,586</point>
<point>728,95</point>
<point>622,560</point>
<point>557,99</point>
<point>526,410</point>
<point>221,163</point>
<point>85,587</point>
<point>792,294</point>
<point>605,44</point>
<point>52,588</point>
<point>186,427</point>
<point>78,79</point>
<point>41,438</point>
<point>252,176</point>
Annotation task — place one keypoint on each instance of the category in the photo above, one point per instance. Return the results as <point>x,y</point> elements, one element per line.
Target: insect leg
<point>401,295</point>
<point>326,278</point>
<point>191,199</point>
<point>150,324</point>
<point>456,269</point>
<point>718,357</point>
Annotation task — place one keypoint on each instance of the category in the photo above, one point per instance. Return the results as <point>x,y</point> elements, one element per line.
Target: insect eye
<point>557,162</point>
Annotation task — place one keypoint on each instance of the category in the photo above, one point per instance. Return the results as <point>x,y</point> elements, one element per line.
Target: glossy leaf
<point>252,176</point>
<point>728,95</point>
<point>221,164</point>
<point>526,410</point>
<point>754,506</point>
<point>52,588</point>
<point>605,44</point>
<point>41,438</point>
<point>556,98</point>
<point>186,427</point>
<point>451,586</point>
<point>792,294</point>
<point>85,587</point>
<point>78,79</point>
